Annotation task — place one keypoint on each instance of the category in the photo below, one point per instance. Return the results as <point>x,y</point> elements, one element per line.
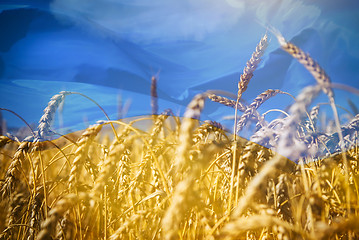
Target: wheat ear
<point>81,151</point>
<point>158,124</point>
<point>16,205</point>
<point>352,126</point>
<point>252,65</point>
<point>193,111</point>
<point>309,63</point>
<point>48,226</point>
<point>49,113</point>
<point>283,199</point>
<point>35,212</point>
<point>257,102</point>
<point>227,102</point>
<point>242,86</point>
<point>154,101</point>
<point>186,193</point>
<point>236,229</point>
<point>12,171</point>
<point>277,162</point>
<point>324,81</point>
<point>4,140</point>
<point>107,168</point>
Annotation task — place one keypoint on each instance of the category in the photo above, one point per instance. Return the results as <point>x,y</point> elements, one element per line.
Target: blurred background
<point>109,50</point>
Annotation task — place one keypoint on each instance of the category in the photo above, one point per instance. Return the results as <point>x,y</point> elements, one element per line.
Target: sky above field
<point>109,50</point>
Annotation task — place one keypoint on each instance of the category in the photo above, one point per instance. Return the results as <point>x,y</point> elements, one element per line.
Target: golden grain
<point>182,178</point>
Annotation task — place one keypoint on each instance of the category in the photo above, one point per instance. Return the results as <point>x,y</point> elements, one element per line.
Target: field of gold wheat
<point>168,177</point>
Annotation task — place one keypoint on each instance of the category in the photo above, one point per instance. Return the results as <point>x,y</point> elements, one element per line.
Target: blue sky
<point>110,49</point>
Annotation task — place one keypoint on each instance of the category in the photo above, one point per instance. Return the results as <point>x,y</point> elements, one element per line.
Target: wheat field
<point>167,177</point>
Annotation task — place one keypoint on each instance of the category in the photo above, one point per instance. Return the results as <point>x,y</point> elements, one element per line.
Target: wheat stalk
<point>324,81</point>
<point>154,100</point>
